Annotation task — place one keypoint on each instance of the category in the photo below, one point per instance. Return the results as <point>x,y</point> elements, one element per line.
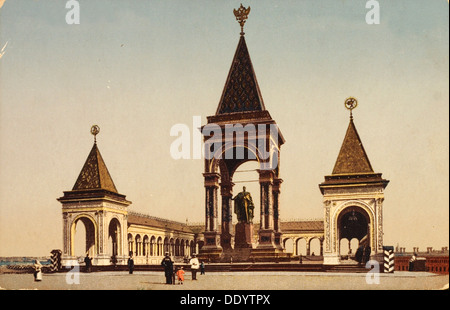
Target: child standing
<point>180,275</point>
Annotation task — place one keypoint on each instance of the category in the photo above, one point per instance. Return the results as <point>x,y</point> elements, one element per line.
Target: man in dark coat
<point>168,268</point>
<point>359,254</point>
<point>88,262</point>
<point>130,263</point>
<point>366,254</point>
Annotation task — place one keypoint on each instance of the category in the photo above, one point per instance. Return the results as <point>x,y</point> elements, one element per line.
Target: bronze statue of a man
<point>243,207</point>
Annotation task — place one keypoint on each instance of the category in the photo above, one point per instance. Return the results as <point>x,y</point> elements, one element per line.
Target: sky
<point>137,68</point>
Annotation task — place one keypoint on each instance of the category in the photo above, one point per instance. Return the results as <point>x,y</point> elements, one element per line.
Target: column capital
<point>266,176</point>
<point>211,179</point>
<point>226,189</point>
<point>277,184</point>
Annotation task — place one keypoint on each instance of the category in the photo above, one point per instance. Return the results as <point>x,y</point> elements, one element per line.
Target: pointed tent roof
<point>95,174</point>
<point>241,92</point>
<point>352,157</point>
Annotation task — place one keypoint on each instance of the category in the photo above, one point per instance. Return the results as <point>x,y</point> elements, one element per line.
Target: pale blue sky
<point>136,68</point>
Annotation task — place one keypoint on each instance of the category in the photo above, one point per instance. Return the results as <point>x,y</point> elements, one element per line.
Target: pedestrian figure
<point>131,263</point>
<point>37,271</point>
<point>180,275</point>
<point>194,266</point>
<point>114,260</point>
<point>300,257</point>
<point>202,268</point>
<point>366,254</point>
<point>359,254</point>
<point>412,261</point>
<point>174,273</point>
<point>167,263</point>
<point>88,262</point>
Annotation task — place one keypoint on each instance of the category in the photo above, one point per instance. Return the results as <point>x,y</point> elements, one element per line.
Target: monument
<point>242,130</point>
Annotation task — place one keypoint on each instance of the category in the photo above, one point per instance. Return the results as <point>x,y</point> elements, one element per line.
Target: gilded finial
<point>95,131</point>
<point>242,16</point>
<point>351,103</point>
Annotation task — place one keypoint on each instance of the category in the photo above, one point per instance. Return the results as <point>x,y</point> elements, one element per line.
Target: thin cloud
<point>3,50</point>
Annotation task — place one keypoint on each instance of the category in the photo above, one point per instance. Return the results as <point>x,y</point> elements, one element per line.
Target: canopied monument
<point>353,198</point>
<point>242,130</point>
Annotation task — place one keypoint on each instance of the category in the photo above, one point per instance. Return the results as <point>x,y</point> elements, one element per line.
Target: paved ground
<point>228,281</point>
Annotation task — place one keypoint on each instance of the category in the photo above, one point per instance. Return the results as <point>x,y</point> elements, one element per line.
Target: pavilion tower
<point>353,198</point>
<point>95,201</point>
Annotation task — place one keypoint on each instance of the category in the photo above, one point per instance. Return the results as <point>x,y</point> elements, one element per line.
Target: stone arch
<point>138,242</point>
<point>91,234</point>
<point>172,246</point>
<point>315,246</point>
<point>159,246</point>
<point>182,248</point>
<point>302,246</point>
<point>354,244</point>
<point>152,246</point>
<point>216,164</point>
<point>344,246</point>
<point>289,245</point>
<point>166,247</point>
<point>115,237</point>
<point>364,219</point>
<point>145,246</point>
<point>177,247</point>
<point>219,172</point>
<point>130,244</point>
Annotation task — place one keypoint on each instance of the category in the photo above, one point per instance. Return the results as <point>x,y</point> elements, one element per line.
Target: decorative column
<point>266,230</point>
<point>227,216</point>
<point>276,212</point>
<point>66,235</point>
<point>330,255</point>
<point>212,245</point>
<point>321,246</point>
<point>102,258</point>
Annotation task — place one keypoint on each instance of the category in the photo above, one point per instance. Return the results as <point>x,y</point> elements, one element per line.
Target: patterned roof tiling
<point>352,157</point>
<point>95,174</point>
<point>241,92</point>
<point>151,221</point>
<point>302,226</point>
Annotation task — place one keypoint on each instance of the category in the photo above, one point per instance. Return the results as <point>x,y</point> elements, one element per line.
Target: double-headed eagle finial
<point>242,16</point>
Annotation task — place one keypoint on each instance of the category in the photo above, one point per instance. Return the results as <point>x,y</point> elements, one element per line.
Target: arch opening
<point>84,237</point>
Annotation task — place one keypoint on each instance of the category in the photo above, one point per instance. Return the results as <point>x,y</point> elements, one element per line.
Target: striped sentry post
<point>56,260</point>
<point>388,259</point>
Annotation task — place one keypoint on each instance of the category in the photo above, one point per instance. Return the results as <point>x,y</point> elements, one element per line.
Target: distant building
<point>436,261</point>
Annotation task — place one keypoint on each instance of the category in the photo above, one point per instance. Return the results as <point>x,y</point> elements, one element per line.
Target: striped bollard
<point>388,259</point>
<point>56,260</point>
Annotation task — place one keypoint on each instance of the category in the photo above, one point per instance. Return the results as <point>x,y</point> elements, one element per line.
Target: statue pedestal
<point>212,248</point>
<point>243,238</point>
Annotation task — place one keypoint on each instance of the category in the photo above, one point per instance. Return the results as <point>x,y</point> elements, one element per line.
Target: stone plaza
<point>228,281</point>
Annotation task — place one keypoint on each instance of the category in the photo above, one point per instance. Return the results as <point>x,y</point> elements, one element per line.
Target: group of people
<point>170,270</point>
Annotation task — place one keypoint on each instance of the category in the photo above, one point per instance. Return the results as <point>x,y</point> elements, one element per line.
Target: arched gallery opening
<point>83,239</point>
